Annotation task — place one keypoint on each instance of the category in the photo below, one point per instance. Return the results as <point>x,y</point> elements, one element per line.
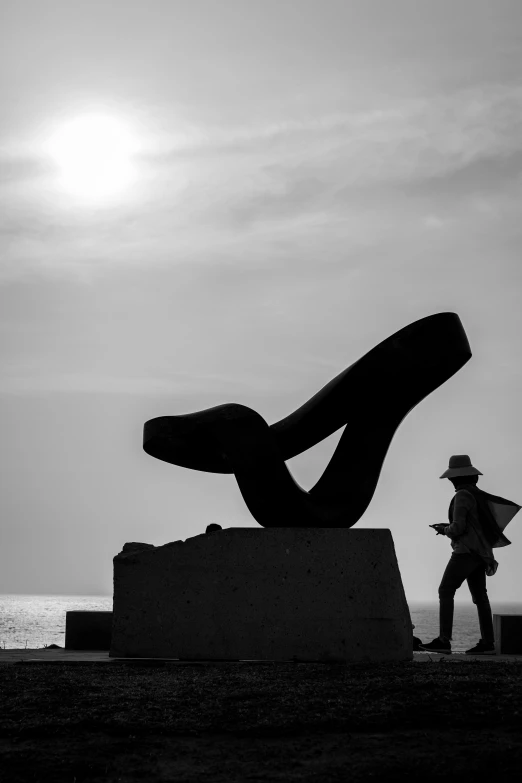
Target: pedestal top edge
<point>297,532</point>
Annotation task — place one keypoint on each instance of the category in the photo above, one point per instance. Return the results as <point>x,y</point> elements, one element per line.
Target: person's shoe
<point>438,646</point>
<point>482,649</point>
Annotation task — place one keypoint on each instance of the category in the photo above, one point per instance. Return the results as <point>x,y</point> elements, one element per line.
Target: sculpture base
<point>303,594</point>
<point>508,634</point>
<point>88,630</point>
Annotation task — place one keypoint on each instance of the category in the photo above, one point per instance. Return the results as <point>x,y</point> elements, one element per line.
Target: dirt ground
<point>294,722</point>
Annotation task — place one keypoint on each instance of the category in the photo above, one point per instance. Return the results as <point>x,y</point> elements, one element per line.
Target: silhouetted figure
<point>213,527</point>
<point>477,520</point>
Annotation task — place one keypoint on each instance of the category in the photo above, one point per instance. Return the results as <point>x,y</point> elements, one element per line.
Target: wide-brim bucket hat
<point>460,465</point>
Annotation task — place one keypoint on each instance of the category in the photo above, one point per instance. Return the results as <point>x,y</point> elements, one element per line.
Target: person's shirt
<point>465,531</point>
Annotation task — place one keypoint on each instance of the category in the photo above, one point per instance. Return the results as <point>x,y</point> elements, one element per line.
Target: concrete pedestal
<point>508,634</point>
<point>263,594</point>
<point>88,630</point>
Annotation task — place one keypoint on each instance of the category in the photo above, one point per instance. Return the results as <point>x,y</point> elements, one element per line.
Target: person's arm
<point>463,503</point>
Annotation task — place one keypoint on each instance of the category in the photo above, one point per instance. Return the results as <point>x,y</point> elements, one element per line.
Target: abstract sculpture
<point>370,399</point>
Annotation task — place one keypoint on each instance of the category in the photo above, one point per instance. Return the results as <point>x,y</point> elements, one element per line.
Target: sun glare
<point>94,154</point>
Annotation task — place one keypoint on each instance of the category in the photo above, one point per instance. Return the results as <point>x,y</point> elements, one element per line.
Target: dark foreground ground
<point>262,722</point>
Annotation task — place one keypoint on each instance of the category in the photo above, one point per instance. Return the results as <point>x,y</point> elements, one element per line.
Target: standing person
<point>476,521</point>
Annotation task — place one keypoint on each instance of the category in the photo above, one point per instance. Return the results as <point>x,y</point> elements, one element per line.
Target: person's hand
<point>439,528</point>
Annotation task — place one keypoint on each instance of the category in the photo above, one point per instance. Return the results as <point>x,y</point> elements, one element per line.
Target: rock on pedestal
<point>309,594</point>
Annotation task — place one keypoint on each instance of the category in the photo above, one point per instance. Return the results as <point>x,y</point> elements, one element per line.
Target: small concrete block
<point>308,594</point>
<point>508,634</point>
<point>88,630</point>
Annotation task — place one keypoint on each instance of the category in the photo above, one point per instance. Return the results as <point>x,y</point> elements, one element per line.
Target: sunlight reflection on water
<point>34,621</point>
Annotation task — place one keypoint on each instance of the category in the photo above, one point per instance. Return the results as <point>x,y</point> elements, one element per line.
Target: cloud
<point>178,383</point>
<point>247,177</point>
<point>459,127</point>
<point>236,195</point>
<point>482,175</point>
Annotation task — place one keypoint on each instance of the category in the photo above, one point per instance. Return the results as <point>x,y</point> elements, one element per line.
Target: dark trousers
<point>472,568</point>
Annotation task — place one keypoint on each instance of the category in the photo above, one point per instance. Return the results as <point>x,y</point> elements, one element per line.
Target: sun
<point>94,154</point>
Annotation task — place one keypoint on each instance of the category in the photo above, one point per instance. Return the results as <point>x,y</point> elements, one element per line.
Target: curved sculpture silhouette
<point>370,398</point>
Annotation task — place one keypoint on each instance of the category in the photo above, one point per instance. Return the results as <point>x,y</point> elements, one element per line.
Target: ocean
<point>35,621</point>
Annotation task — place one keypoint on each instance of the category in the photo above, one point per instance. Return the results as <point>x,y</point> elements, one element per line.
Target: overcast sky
<point>306,178</point>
